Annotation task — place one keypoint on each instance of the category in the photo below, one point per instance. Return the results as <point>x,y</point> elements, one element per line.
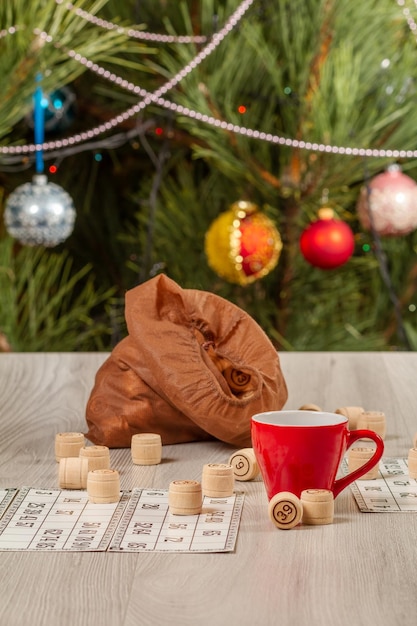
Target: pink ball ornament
<point>328,242</point>
<point>391,200</point>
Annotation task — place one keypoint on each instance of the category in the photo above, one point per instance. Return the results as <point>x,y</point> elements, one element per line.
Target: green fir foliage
<point>45,305</point>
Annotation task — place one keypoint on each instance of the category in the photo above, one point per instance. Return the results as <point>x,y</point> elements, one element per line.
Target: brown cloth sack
<point>193,366</point>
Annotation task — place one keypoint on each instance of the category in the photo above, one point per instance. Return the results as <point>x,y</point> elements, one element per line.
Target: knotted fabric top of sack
<point>194,366</point>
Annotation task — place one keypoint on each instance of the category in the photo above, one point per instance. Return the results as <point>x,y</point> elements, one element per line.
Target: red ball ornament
<point>390,200</point>
<point>328,242</point>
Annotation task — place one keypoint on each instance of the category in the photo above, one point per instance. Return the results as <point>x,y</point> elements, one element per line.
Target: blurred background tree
<point>148,187</point>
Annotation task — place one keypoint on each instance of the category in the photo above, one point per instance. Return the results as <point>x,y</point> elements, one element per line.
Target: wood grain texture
<point>360,570</point>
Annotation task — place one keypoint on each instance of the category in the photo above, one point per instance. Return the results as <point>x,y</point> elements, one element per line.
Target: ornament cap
<point>325,213</point>
<point>248,208</point>
<point>394,167</point>
<point>40,179</point>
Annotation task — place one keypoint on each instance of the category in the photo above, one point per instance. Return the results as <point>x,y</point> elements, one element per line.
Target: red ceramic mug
<point>298,450</point>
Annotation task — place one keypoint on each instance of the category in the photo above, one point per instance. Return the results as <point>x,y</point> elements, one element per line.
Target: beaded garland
<point>156,98</point>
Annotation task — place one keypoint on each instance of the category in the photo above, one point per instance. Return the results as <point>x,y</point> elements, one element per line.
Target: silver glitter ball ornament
<point>39,213</point>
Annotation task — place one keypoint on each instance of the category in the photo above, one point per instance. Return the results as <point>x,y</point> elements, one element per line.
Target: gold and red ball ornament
<point>388,204</point>
<point>327,242</point>
<point>242,244</point>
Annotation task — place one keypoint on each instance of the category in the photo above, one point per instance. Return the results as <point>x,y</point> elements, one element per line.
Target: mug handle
<point>353,436</point>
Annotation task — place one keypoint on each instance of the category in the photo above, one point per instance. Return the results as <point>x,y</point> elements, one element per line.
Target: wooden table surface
<point>360,570</point>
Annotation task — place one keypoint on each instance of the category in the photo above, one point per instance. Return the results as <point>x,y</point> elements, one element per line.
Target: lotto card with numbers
<point>53,520</point>
<point>393,491</point>
<point>58,520</point>
<point>148,525</point>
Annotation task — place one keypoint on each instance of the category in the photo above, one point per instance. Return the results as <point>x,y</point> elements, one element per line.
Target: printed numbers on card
<point>174,526</point>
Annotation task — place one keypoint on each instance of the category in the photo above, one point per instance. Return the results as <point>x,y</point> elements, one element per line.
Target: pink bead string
<point>9,31</point>
<point>409,18</point>
<point>110,76</point>
<point>131,32</point>
<point>157,99</point>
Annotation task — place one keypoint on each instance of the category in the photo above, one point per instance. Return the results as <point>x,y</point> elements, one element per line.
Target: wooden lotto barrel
<point>218,480</point>
<point>98,457</point>
<point>68,444</point>
<point>318,506</point>
<point>103,486</point>
<point>73,473</point>
<point>373,420</point>
<point>412,463</point>
<point>352,413</point>
<point>285,510</point>
<point>185,497</point>
<point>358,457</point>
<point>146,449</point>
<point>244,464</point>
